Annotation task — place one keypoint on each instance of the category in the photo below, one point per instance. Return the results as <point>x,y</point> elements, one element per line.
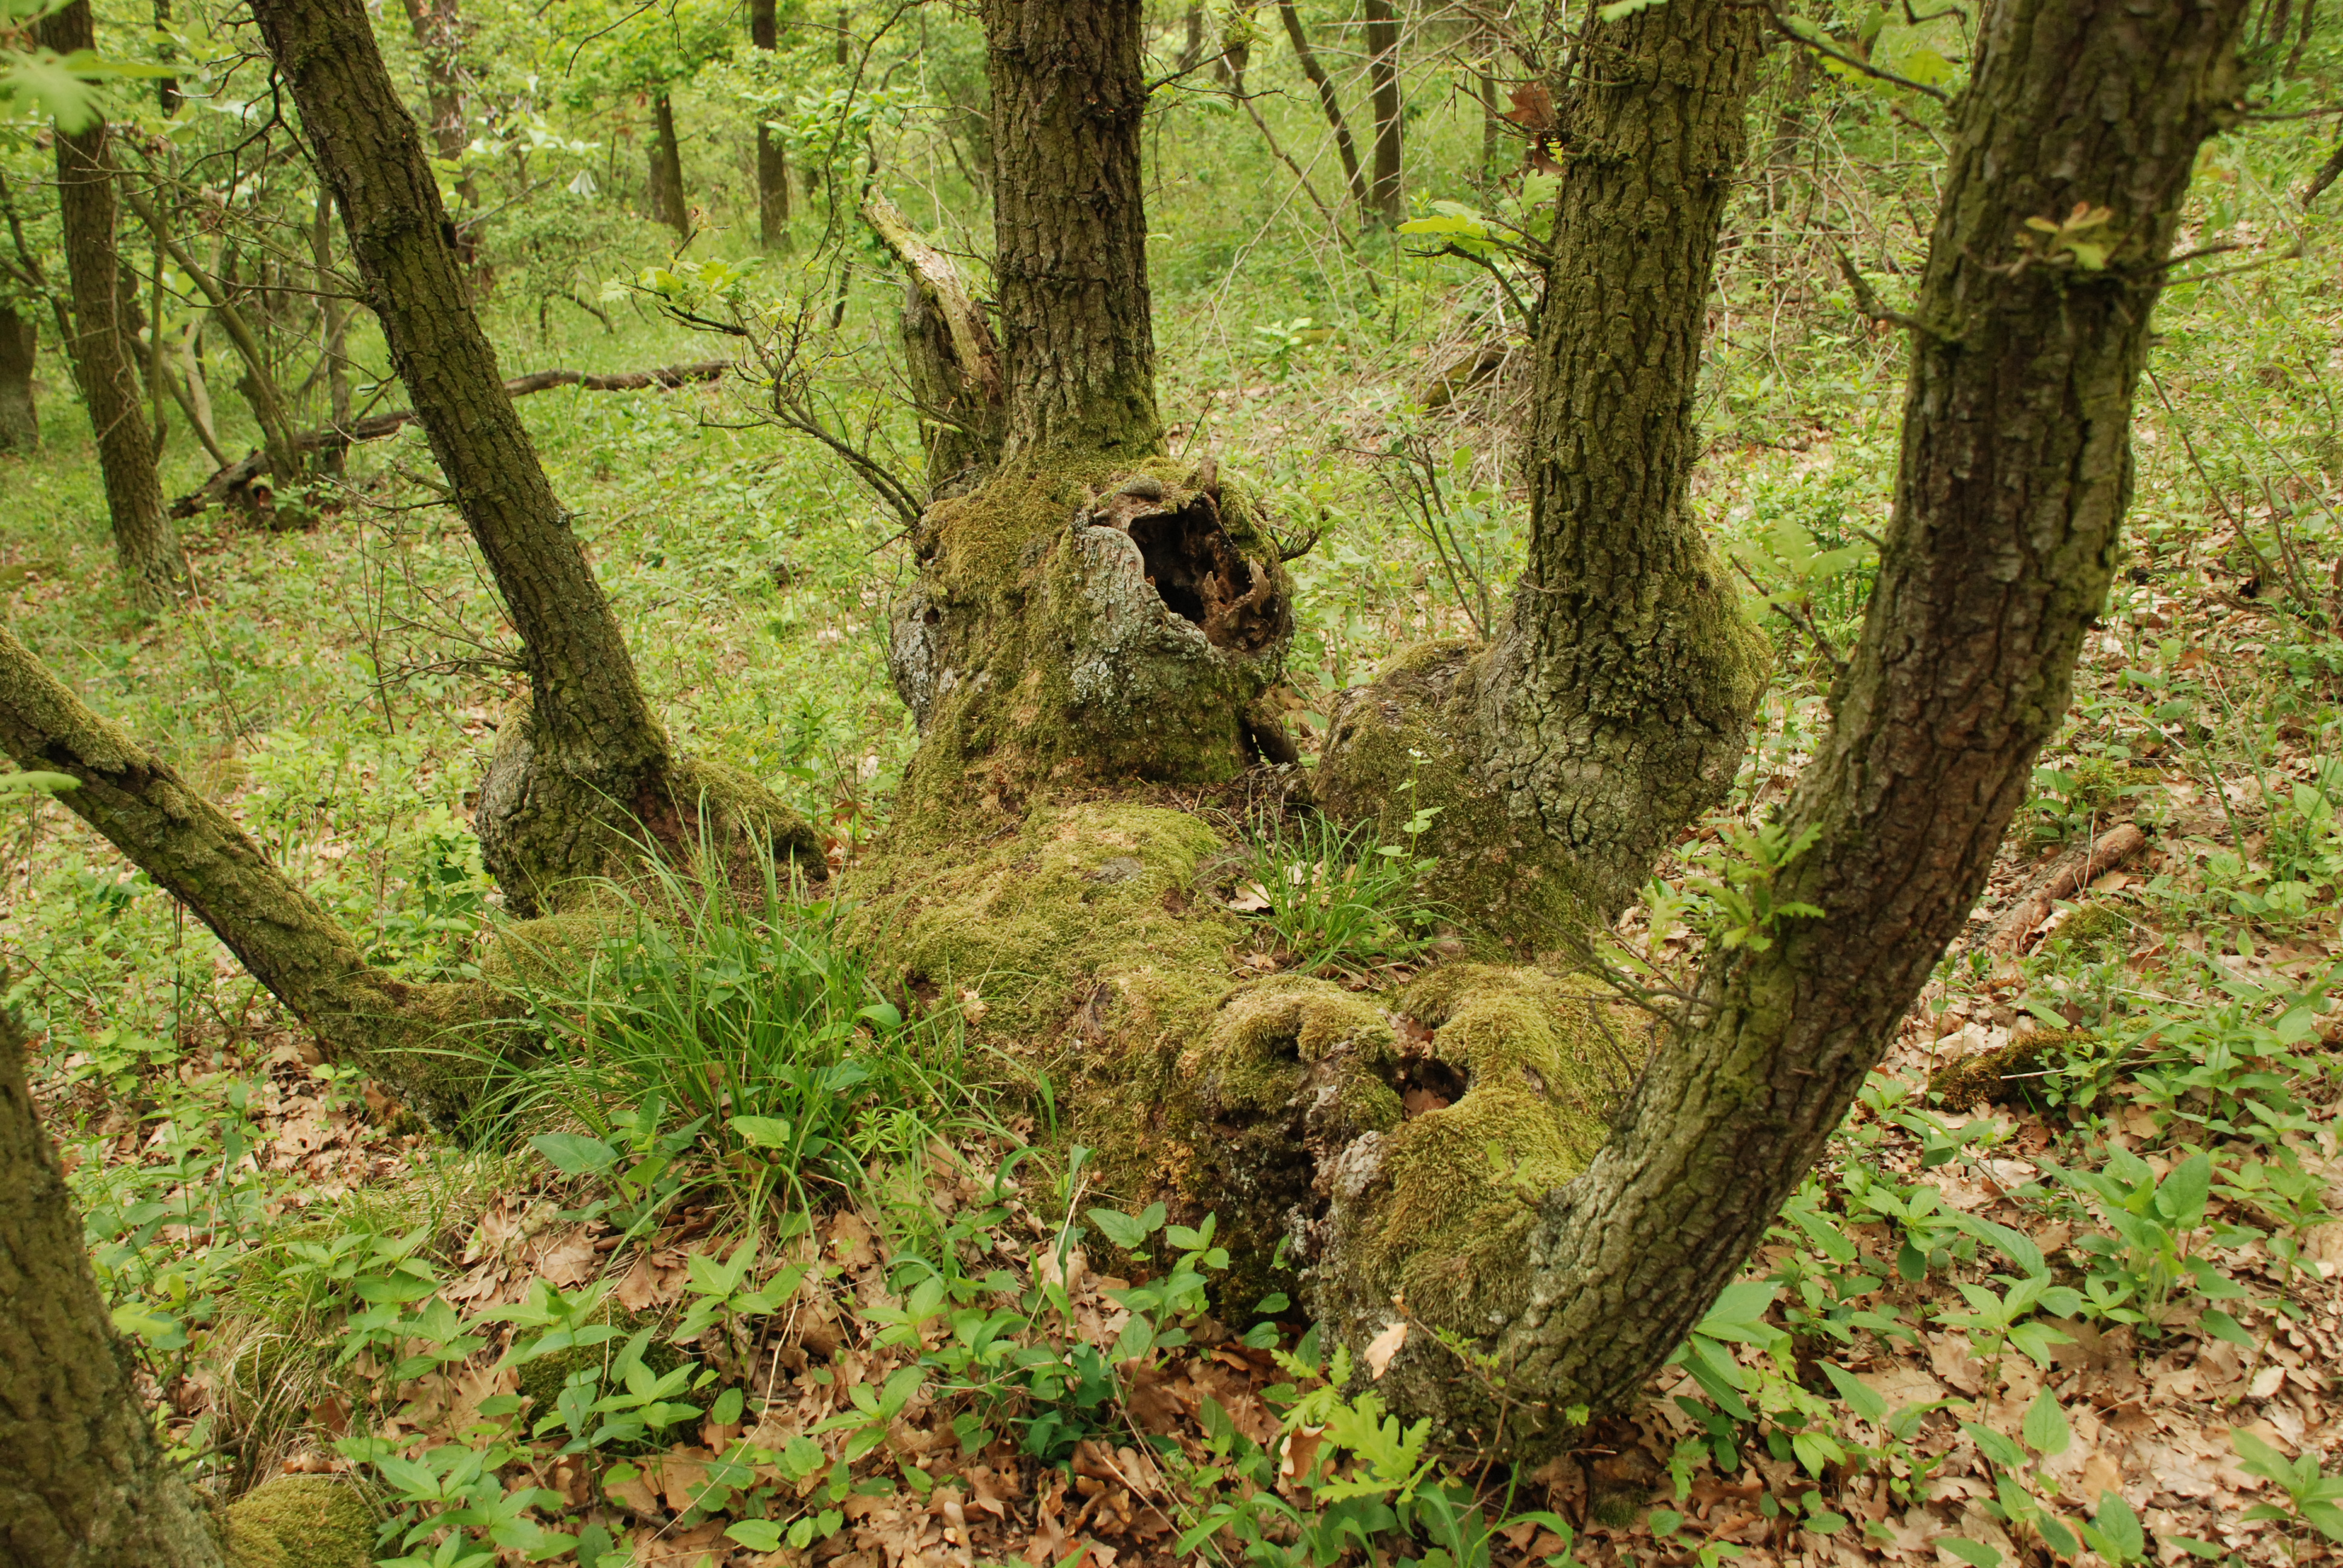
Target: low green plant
<point>2313,1498</point>
<point>1336,899</point>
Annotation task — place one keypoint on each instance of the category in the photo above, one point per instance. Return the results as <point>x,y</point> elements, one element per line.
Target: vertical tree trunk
<point>1612,706</point>
<point>83,1483</point>
<point>1192,51</point>
<point>1328,101</point>
<point>335,333</point>
<point>665,190</point>
<point>2014,475</point>
<point>772,156</point>
<point>167,88</point>
<point>1385,199</point>
<point>1070,226</point>
<point>143,539</point>
<point>20,417</point>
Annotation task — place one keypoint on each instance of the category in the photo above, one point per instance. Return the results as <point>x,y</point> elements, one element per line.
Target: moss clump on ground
<point>301,1521</point>
<point>1410,742</point>
<point>1079,945</point>
<point>2008,1074</point>
<point>1082,622</point>
<point>1503,1103</point>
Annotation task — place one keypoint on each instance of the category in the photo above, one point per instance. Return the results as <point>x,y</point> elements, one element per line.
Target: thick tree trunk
<point>1385,199</point>
<point>191,848</point>
<point>145,542</point>
<point>1070,226</point>
<point>1328,100</point>
<point>772,156</point>
<point>2014,475</point>
<point>20,416</point>
<point>83,1483</point>
<point>587,770</point>
<point>1612,706</point>
<point>666,188</point>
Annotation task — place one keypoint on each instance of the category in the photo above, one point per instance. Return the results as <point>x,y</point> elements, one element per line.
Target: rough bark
<point>2014,475</point>
<point>83,1483</point>
<point>438,29</point>
<point>666,186</point>
<point>20,415</point>
<point>1385,200</point>
<point>1612,706</point>
<point>195,851</point>
<point>587,770</point>
<point>954,361</point>
<point>772,156</point>
<point>145,542</point>
<point>1070,224</point>
<point>1330,101</point>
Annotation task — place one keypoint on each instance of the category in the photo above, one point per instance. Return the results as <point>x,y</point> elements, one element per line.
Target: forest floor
<point>2086,1305</point>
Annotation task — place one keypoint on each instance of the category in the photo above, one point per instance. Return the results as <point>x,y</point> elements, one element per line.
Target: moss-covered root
<point>1291,1071</point>
<point>1079,621</point>
<point>1412,741</point>
<point>1504,1101</point>
<point>301,1521</point>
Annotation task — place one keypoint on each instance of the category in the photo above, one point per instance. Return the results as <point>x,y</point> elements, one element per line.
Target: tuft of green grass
<point>1336,899</point>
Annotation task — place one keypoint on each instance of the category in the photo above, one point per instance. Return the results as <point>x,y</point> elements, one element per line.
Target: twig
<point>1782,26</point>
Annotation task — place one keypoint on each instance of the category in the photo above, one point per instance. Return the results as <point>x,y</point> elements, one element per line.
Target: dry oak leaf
<point>1384,1346</point>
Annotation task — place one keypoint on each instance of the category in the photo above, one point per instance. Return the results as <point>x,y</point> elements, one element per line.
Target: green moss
<point>301,1521</point>
<point>2095,930</point>
<point>1411,741</point>
<point>1042,659</point>
<point>1440,1214</point>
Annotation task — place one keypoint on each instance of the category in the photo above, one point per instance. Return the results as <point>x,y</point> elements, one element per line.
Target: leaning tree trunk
<point>20,416</point>
<point>2014,475</point>
<point>772,154</point>
<point>1612,706</point>
<point>83,1483</point>
<point>665,194</point>
<point>1385,200</point>
<point>587,770</point>
<point>195,851</point>
<point>1330,102</point>
<point>145,542</point>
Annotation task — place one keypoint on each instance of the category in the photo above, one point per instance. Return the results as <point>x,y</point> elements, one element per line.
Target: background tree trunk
<point>2014,475</point>
<point>666,194</point>
<point>143,539</point>
<point>1328,101</point>
<point>772,156</point>
<point>1386,200</point>
<point>1070,226</point>
<point>20,415</point>
<point>1611,707</point>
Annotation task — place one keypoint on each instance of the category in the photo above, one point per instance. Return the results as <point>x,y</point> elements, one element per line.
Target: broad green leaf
<point>2046,1430</point>
<point>761,1132</point>
<point>1864,1400</point>
<point>574,1153</point>
<point>1976,1553</point>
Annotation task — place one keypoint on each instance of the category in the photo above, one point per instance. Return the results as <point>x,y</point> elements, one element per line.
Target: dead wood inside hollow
<point>1194,566</point>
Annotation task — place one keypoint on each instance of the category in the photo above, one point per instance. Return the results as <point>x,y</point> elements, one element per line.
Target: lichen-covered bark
<point>585,769</point>
<point>2016,472</point>
<point>1612,705</point>
<point>191,848</point>
<point>1078,625</point>
<point>1070,226</point>
<point>145,542</point>
<point>83,1483</point>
